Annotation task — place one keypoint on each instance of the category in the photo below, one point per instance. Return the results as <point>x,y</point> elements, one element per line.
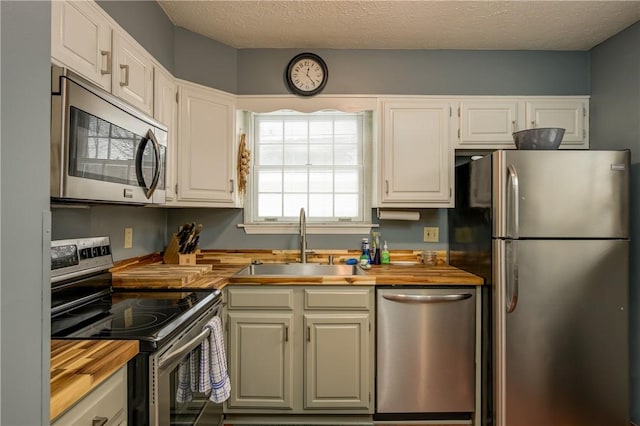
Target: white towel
<point>183,393</point>
<point>213,364</point>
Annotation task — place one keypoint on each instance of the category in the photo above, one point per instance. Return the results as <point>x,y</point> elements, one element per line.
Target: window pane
<point>295,155</point>
<point>295,131</point>
<point>321,181</point>
<point>295,181</point>
<point>320,205</point>
<point>347,155</point>
<point>270,131</point>
<point>269,181</point>
<point>320,132</point>
<point>321,154</point>
<point>293,203</point>
<point>270,155</point>
<point>347,205</point>
<point>269,205</point>
<point>346,127</point>
<point>347,181</point>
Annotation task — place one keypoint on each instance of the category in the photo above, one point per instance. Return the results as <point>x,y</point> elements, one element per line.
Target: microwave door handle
<point>148,191</point>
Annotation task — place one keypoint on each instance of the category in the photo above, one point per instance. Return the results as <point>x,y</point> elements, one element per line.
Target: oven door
<point>173,402</point>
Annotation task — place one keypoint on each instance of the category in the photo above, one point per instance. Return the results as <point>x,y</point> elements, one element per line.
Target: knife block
<point>173,256</point>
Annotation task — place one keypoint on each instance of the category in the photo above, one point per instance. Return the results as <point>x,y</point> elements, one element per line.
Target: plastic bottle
<point>365,257</point>
<point>385,257</point>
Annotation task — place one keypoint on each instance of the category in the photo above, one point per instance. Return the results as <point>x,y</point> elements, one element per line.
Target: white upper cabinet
<point>206,172</point>
<point>492,122</point>
<point>416,160</point>
<point>488,123</point>
<point>165,110</point>
<point>132,73</point>
<point>81,40</point>
<point>570,114</point>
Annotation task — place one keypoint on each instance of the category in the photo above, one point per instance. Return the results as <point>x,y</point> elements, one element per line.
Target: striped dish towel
<point>183,393</point>
<point>213,364</point>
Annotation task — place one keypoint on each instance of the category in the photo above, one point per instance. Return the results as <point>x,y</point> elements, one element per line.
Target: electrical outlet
<point>431,234</point>
<point>128,237</point>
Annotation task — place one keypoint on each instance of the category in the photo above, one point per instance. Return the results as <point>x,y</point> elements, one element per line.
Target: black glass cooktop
<point>151,317</point>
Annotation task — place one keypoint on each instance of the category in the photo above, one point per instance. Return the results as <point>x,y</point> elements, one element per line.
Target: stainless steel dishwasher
<point>425,352</point>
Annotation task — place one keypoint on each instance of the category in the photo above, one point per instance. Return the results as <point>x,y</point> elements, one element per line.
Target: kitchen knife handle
<point>512,180</point>
<point>512,281</point>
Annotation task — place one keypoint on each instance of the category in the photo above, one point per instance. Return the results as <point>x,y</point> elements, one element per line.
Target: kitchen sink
<point>299,269</point>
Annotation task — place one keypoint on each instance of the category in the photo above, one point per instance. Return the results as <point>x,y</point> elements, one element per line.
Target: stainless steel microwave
<point>103,150</point>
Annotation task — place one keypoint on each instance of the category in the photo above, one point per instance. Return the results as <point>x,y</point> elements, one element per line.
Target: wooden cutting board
<point>159,275</point>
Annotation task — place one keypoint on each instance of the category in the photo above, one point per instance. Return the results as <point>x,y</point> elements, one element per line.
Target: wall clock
<point>306,74</point>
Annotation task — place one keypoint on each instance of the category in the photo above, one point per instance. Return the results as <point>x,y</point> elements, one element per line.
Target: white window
<point>316,161</point>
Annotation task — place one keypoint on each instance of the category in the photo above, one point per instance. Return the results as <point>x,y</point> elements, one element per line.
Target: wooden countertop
<point>78,366</point>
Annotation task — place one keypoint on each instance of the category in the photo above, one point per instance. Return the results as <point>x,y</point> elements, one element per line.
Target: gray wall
<point>149,227</point>
<point>24,200</point>
<point>615,124</point>
<point>221,232</point>
<point>424,72</point>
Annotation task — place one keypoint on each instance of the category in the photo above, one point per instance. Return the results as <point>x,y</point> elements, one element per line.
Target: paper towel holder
<point>397,214</point>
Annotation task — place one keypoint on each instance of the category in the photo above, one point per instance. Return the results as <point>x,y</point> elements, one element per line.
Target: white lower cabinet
<point>106,405</point>
<point>301,350</point>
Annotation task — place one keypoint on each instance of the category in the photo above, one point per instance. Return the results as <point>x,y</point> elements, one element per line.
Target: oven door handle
<point>179,353</point>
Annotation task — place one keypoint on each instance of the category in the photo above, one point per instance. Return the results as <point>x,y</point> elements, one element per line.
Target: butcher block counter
<point>218,276</point>
<point>78,366</point>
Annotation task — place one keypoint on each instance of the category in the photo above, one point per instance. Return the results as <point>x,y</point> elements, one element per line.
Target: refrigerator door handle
<point>512,277</point>
<point>512,183</point>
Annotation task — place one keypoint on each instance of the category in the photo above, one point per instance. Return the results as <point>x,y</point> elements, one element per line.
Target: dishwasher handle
<point>423,298</point>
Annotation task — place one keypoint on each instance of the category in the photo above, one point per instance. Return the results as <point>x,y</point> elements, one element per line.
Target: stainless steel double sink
<point>299,269</point>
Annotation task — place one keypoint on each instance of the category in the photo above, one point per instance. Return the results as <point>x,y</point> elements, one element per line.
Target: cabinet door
<point>108,402</point>
<point>337,373</point>
<point>489,123</point>
<point>81,40</point>
<point>416,155</point>
<point>260,360</point>
<point>205,153</point>
<point>165,110</point>
<point>566,113</point>
<point>133,73</point>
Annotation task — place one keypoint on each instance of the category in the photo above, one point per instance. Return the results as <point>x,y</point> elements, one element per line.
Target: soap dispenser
<point>385,258</point>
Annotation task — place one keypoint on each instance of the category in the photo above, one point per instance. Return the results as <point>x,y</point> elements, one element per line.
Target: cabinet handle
<point>533,123</point>
<point>286,333</point>
<point>99,421</point>
<point>106,53</point>
<point>308,333</point>
<point>386,186</point>
<point>231,184</point>
<point>126,75</point>
<point>513,126</point>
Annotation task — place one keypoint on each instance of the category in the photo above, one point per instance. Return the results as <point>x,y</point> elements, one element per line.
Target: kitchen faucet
<point>303,236</point>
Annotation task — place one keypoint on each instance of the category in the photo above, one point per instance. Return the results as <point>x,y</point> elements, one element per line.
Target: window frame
<point>290,225</point>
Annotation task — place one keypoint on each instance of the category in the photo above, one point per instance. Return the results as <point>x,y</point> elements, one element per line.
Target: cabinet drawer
<point>106,401</point>
<point>261,298</point>
<point>358,299</point>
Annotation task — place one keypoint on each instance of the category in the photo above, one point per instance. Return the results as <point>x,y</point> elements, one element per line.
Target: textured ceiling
<point>399,24</point>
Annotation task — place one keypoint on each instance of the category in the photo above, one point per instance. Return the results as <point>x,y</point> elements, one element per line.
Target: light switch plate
<point>431,234</point>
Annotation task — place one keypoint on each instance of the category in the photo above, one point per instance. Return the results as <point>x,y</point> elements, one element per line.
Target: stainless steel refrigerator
<point>549,230</point>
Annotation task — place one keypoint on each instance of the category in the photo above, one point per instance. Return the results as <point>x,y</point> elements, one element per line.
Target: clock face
<point>306,74</point>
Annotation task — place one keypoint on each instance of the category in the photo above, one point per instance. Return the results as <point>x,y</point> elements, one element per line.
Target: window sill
<point>294,228</point>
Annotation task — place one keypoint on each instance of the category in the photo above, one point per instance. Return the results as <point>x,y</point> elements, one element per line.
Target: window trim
<point>315,227</point>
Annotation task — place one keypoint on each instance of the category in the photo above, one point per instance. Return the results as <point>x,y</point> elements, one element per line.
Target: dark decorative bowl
<point>540,138</point>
